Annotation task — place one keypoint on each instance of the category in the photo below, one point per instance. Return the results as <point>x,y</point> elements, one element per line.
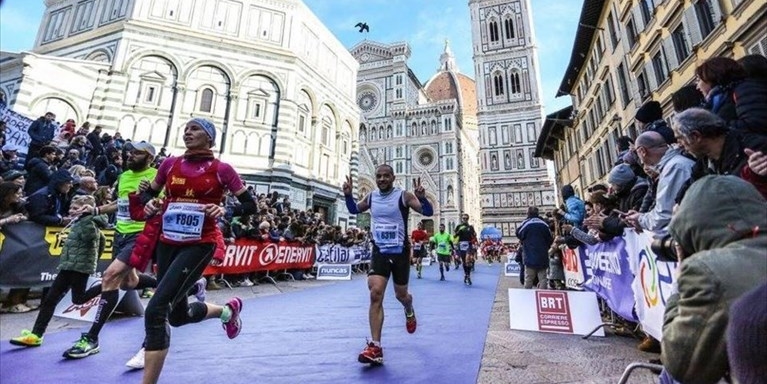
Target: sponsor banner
<point>653,284</point>
<point>334,272</point>
<point>574,262</point>
<point>566,312</point>
<point>250,255</point>
<point>337,254</point>
<point>611,277</point>
<point>510,257</point>
<point>512,269</point>
<point>334,254</point>
<point>128,303</point>
<point>426,261</point>
<point>29,254</point>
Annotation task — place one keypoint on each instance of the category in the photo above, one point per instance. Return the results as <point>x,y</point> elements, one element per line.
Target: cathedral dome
<point>448,84</point>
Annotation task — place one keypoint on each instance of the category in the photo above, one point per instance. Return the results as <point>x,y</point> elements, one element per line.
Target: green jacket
<point>722,225</point>
<point>84,245</point>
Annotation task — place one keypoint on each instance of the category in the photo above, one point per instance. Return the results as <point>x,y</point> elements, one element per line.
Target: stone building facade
<point>627,52</point>
<point>509,113</point>
<point>275,81</point>
<point>422,131</point>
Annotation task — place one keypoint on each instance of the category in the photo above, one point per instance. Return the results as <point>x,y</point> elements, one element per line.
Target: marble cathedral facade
<point>275,81</point>
<point>509,114</point>
<point>422,131</point>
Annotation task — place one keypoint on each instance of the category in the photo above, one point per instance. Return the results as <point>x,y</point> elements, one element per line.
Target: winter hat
<point>747,336</point>
<point>621,175</point>
<point>207,126</point>
<point>649,112</point>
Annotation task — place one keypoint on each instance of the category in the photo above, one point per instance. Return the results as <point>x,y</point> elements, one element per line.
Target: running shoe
<point>137,361</point>
<point>147,293</point>
<point>410,321</point>
<point>234,324</point>
<point>442,278</point>
<point>199,288</point>
<point>372,354</point>
<point>27,339</point>
<point>84,347</point>
<point>468,279</point>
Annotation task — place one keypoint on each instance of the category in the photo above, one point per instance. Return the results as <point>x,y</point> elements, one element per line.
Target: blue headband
<point>207,126</point>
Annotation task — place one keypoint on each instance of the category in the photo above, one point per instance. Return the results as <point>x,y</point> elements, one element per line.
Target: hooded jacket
<point>721,225</point>
<point>48,206</point>
<point>84,244</point>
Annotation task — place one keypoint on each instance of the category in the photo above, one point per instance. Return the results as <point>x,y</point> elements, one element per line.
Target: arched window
<point>206,100</point>
<point>515,84</point>
<point>508,27</point>
<point>414,129</point>
<point>433,127</point>
<point>493,29</point>
<point>498,84</point>
<point>372,134</point>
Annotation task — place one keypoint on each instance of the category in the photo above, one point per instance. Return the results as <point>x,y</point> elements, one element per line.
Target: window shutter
<point>691,26</point>
<point>716,11</point>
<point>649,73</point>
<point>638,18</point>
<point>670,53</point>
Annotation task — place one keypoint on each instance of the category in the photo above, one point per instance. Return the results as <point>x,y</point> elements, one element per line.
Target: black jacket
<point>48,206</point>
<point>38,175</point>
<point>750,98</point>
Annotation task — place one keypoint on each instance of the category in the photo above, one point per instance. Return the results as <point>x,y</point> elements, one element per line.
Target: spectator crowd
<point>697,180</point>
<point>65,161</point>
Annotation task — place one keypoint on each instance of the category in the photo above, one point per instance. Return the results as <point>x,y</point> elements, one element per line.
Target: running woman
<point>419,238</point>
<point>443,243</point>
<point>195,184</point>
<point>389,208</point>
<point>467,246</point>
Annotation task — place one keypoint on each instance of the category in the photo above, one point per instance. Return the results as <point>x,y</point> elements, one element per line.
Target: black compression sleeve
<point>247,205</point>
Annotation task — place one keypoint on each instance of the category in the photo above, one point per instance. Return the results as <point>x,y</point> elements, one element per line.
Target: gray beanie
<point>621,175</point>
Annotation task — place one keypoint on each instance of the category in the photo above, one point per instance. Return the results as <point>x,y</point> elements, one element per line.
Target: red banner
<point>251,255</point>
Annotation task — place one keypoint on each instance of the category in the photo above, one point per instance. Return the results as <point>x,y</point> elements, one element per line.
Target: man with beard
<point>389,208</point>
<point>120,274</point>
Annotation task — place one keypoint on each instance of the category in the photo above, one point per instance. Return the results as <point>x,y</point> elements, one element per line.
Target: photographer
<point>720,230</point>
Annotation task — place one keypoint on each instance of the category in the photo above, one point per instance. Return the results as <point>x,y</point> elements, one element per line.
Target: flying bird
<point>363,27</point>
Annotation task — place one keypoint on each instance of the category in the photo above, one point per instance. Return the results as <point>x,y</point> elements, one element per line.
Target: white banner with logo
<point>334,272</point>
<point>512,269</point>
<point>127,302</point>
<point>566,312</point>
<point>654,282</point>
<point>338,254</point>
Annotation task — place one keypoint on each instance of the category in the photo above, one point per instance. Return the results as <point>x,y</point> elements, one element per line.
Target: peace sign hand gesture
<point>348,185</point>
<point>418,189</point>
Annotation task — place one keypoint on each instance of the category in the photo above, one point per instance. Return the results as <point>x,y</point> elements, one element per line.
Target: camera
<point>664,248</point>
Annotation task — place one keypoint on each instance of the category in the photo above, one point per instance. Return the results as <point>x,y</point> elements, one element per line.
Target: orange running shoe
<point>372,354</point>
<point>410,321</point>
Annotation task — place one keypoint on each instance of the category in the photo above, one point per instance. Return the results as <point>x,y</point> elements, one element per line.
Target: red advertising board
<point>553,312</point>
<point>250,255</point>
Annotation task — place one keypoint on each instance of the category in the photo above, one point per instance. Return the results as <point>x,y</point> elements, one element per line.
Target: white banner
<point>128,302</point>
<point>555,311</point>
<point>337,254</point>
<point>334,272</point>
<point>16,127</point>
<point>512,269</point>
<point>654,282</point>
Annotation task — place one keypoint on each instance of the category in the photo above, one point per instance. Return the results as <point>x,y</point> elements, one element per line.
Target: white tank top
<point>389,220</point>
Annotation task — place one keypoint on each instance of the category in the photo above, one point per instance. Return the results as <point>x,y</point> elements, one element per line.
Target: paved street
<point>509,356</point>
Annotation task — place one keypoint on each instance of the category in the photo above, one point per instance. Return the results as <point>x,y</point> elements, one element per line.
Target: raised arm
<point>353,206</point>
<point>417,200</point>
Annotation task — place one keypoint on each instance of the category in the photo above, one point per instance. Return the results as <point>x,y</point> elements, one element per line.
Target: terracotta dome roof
<point>443,87</point>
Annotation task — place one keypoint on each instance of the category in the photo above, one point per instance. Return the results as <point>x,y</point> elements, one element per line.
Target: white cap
<point>10,147</point>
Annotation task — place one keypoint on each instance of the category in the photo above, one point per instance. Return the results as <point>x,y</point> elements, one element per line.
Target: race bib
<point>463,246</point>
<point>417,246</point>
<point>123,212</point>
<point>183,222</point>
<point>386,235</point>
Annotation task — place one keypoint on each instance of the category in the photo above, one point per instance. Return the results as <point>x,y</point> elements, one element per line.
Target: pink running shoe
<point>234,324</point>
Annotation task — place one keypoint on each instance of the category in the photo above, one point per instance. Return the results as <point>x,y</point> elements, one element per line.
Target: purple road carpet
<point>311,336</point>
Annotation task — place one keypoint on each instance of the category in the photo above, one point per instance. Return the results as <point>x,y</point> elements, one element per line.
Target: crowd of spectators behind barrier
<point>62,163</point>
